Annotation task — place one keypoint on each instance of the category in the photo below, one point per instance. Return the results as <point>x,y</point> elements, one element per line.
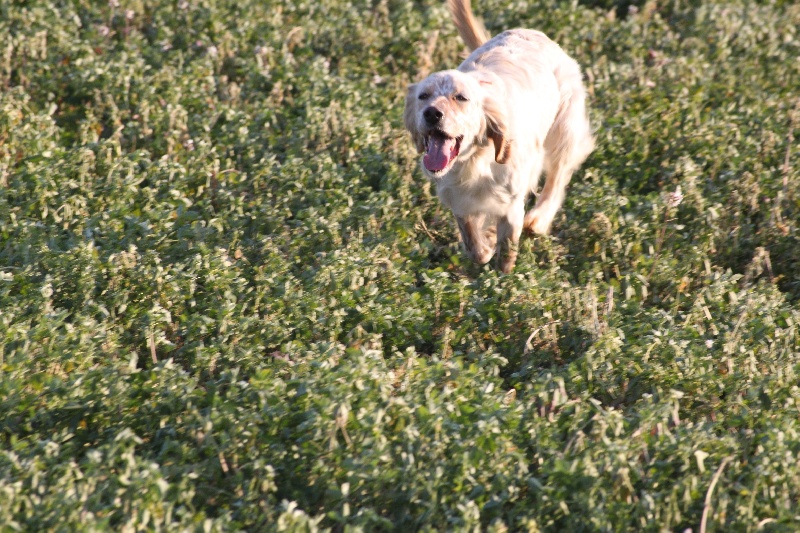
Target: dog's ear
<point>496,129</point>
<point>410,119</point>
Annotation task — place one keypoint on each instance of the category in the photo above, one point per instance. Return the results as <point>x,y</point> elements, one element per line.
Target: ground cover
<point>228,299</point>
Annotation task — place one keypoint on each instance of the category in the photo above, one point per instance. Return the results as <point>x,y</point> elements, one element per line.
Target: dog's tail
<point>472,32</point>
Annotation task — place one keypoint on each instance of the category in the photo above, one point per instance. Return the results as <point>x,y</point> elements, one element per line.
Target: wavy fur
<point>516,107</point>
<point>472,32</point>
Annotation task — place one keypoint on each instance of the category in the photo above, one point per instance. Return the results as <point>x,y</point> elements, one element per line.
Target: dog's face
<point>448,114</point>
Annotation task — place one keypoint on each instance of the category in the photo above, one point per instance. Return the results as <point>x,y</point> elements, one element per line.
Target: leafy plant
<point>229,300</point>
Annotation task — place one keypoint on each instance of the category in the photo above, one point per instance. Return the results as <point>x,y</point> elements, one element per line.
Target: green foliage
<point>229,301</point>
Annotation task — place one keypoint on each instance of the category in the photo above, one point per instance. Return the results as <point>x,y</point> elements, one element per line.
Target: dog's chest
<point>482,188</point>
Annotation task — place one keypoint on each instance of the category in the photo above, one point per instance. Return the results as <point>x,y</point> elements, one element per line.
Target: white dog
<point>513,108</point>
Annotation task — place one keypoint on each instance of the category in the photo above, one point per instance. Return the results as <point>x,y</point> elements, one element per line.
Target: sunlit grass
<point>229,299</point>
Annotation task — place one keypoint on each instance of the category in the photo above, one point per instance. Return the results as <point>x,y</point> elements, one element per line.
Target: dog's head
<point>448,114</point>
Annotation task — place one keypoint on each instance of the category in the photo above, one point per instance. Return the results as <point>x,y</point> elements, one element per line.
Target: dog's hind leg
<point>540,218</point>
<point>568,144</point>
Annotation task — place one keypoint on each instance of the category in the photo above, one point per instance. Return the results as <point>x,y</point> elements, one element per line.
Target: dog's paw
<point>507,265</point>
<point>482,254</point>
<point>538,221</point>
<point>507,256</point>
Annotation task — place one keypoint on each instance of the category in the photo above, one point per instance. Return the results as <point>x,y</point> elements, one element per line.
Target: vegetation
<point>230,301</point>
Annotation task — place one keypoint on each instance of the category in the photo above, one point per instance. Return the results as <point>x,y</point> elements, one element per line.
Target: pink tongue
<point>440,152</point>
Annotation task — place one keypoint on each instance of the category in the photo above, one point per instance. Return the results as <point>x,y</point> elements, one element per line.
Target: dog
<point>516,107</point>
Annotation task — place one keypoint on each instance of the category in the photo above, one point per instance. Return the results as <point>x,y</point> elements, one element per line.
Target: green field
<point>229,300</point>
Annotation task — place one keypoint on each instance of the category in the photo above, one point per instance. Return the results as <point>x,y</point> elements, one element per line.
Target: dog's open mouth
<point>440,151</point>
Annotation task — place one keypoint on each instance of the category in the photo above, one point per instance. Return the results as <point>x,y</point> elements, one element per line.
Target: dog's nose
<point>432,115</point>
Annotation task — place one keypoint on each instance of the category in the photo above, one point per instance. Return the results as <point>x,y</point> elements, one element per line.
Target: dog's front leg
<point>476,244</point>
<point>509,229</point>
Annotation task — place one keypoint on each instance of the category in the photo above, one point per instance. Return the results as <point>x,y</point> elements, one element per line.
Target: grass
<point>230,301</point>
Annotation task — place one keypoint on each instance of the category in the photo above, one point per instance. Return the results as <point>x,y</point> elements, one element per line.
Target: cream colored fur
<point>517,108</point>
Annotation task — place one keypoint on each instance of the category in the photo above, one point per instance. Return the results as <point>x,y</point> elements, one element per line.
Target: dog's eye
<point>461,98</point>
<point>424,96</point>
